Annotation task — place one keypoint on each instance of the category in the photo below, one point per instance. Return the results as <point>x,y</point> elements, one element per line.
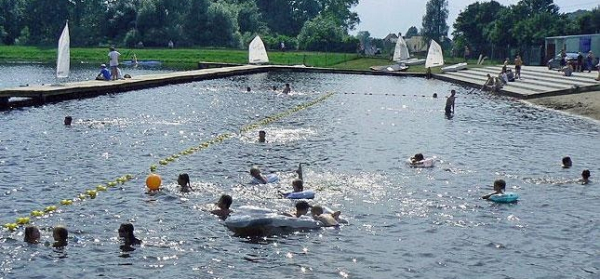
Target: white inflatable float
<point>271,178</point>
<point>425,163</point>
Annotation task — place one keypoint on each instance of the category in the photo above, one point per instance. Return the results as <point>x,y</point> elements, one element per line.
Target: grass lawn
<point>186,59</point>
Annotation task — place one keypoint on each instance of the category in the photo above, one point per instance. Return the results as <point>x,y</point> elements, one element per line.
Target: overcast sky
<point>381,17</point>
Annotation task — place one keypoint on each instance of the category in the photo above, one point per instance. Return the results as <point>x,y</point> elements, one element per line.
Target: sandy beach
<point>584,104</point>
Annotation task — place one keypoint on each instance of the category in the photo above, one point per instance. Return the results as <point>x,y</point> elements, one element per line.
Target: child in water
<point>184,181</point>
<point>60,235</point>
<point>223,204</point>
<point>566,162</point>
<point>32,235</point>
<point>255,172</point>
<point>499,186</point>
<point>328,220</point>
<point>262,136</point>
<point>129,239</point>
<point>297,185</point>
<point>417,159</point>
<point>302,208</point>
<point>585,177</point>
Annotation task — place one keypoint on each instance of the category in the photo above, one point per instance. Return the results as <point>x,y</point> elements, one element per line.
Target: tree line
<point>300,24</point>
<point>487,25</point>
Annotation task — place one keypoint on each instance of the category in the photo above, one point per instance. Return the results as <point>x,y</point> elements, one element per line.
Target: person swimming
<point>129,239</point>
<point>328,220</point>
<point>297,185</point>
<point>32,235</point>
<point>499,187</point>
<point>287,89</point>
<point>417,159</point>
<point>256,174</point>
<point>248,89</point>
<point>585,177</point>
<point>60,235</point>
<point>262,136</point>
<point>223,205</point>
<point>566,162</point>
<point>184,181</point>
<point>68,120</point>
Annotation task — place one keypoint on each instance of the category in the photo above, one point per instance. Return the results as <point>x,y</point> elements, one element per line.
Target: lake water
<point>404,222</point>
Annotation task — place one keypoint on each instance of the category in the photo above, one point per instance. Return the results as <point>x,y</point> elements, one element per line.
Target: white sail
<point>63,61</point>
<point>257,54</point>
<point>401,50</point>
<point>435,57</point>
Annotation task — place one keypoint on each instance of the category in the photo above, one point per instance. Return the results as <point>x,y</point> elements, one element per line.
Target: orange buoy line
<point>153,181</point>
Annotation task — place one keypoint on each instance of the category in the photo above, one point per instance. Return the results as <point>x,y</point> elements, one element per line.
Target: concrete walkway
<point>536,81</point>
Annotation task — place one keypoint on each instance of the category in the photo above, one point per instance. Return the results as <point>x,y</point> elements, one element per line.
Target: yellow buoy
<point>66,202</point>
<point>111,184</point>
<point>37,213</point>
<point>153,181</point>
<point>22,220</point>
<point>91,193</point>
<point>11,226</point>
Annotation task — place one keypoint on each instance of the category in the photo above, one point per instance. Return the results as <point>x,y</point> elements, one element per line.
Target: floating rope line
<point>93,193</point>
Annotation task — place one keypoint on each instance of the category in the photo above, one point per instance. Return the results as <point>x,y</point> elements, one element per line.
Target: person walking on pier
<point>114,63</point>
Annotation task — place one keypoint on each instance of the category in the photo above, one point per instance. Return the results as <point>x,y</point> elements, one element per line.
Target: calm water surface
<point>404,222</point>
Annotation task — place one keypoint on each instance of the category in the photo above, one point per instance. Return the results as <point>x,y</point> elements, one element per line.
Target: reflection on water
<point>403,222</point>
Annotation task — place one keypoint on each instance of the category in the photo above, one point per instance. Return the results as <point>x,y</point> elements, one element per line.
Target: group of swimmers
<point>286,89</point>
<point>60,235</point>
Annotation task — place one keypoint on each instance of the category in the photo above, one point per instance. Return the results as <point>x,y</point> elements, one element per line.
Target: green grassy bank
<point>187,59</point>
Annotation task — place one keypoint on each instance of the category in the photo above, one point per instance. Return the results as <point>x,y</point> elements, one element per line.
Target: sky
<point>381,17</point>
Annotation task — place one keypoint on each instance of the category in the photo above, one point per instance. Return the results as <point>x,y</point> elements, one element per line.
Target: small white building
<point>573,43</point>
<point>416,44</point>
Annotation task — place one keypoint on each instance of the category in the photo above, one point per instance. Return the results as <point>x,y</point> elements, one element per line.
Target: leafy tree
<point>221,15</point>
<point>46,19</point>
<point>474,23</point>
<point>319,33</point>
<point>434,20</point>
<point>589,22</point>
<point>195,23</point>
<point>11,20</point>
<point>412,31</point>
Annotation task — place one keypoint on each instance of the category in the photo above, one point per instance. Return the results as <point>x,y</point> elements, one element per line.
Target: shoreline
<point>585,104</point>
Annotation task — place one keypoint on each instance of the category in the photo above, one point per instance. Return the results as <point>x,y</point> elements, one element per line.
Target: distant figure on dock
<point>489,83</point>
<point>68,120</point>
<point>566,162</point>
<point>287,89</point>
<point>262,136</point>
<point>450,102</point>
<point>104,73</point>
<point>585,177</point>
<point>518,64</point>
<point>114,63</point>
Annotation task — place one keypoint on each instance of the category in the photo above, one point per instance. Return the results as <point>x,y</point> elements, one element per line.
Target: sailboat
<point>63,60</point>
<point>402,56</point>
<point>257,54</point>
<point>435,57</point>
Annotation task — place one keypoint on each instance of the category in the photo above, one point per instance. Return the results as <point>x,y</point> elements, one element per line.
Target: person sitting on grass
<point>499,186</point>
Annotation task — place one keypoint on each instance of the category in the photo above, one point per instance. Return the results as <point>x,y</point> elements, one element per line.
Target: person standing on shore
<point>114,63</point>
<point>518,64</point>
<point>450,102</point>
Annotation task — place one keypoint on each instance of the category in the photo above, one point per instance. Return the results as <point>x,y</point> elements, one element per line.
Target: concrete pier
<point>536,81</point>
<point>40,94</point>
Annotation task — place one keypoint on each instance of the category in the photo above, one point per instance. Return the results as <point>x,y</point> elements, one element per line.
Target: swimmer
<point>248,89</point>
<point>585,177</point>
<point>417,159</point>
<point>261,136</point>
<point>60,235</point>
<point>434,95</point>
<point>499,186</point>
<point>126,234</point>
<point>566,162</point>
<point>327,219</point>
<point>32,235</point>
<point>274,88</point>
<point>223,204</point>
<point>255,172</point>
<point>68,120</point>
<point>184,181</point>
<point>450,102</point>
<point>302,208</point>
<point>287,89</point>
<point>297,185</point>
